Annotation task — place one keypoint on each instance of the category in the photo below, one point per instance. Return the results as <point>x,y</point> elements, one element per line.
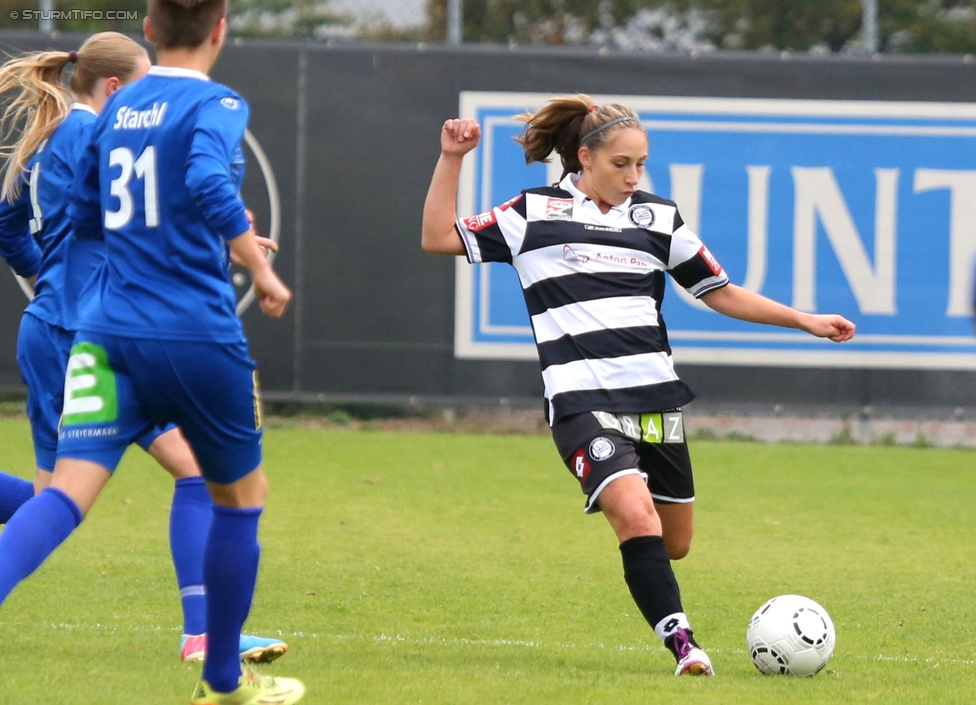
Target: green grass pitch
<point>439,568</point>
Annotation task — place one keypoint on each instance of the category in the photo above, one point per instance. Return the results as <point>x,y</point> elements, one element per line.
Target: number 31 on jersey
<point>142,167</point>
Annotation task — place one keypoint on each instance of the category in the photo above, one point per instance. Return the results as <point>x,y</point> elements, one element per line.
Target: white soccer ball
<point>790,635</point>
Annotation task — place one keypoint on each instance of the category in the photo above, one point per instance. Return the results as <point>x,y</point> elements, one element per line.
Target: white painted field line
<point>459,641</point>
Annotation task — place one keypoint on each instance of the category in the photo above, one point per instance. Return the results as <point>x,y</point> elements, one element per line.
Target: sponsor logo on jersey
<point>127,118</point>
<point>601,448</point>
<point>710,258</point>
<point>603,228</point>
<point>572,259</point>
<point>627,260</point>
<point>480,221</point>
<point>559,209</point>
<point>230,103</point>
<point>641,215</point>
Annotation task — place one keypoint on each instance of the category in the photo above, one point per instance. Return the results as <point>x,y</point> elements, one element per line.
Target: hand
<point>831,326</point>
<point>458,137</point>
<point>272,294</point>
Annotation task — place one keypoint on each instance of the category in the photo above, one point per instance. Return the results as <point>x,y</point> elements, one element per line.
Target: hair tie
<point>594,132</point>
<point>73,57</point>
<point>592,108</point>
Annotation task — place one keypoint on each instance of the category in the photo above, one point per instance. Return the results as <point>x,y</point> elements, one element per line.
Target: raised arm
<point>736,302</point>
<point>458,137</point>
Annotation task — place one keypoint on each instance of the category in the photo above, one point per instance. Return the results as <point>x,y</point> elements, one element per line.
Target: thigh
<point>210,391</point>
<point>664,457</point>
<point>42,355</point>
<point>595,452</point>
<point>102,415</point>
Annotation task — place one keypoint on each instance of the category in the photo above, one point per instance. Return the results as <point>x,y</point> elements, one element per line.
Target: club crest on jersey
<point>480,221</point>
<point>572,259</point>
<point>641,215</point>
<point>710,259</point>
<point>559,209</point>
<point>601,448</point>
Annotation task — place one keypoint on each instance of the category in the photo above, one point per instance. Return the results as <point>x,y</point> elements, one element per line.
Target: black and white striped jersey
<point>593,286</point>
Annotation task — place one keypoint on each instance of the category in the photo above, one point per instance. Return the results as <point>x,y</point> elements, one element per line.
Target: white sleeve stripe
<point>710,284</point>
<point>470,243</point>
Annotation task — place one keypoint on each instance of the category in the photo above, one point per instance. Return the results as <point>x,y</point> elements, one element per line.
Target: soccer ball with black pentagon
<point>790,635</point>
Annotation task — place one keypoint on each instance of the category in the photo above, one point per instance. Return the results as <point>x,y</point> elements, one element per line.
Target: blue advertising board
<point>862,208</point>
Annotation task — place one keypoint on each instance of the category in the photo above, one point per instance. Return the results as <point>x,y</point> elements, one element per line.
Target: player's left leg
<point>42,353</point>
<point>45,521</point>
<point>100,419</point>
<point>677,525</point>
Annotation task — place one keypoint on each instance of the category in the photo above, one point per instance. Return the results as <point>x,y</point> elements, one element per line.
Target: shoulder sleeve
<point>691,264</point>
<point>214,154</point>
<point>495,236</point>
<point>17,246</point>
<point>84,198</point>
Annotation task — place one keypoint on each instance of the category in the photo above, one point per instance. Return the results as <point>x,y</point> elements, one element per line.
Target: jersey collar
<point>177,72</point>
<point>83,106</point>
<point>569,184</point>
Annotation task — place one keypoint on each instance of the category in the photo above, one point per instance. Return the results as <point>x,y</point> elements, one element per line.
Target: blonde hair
<point>562,123</point>
<point>42,100</point>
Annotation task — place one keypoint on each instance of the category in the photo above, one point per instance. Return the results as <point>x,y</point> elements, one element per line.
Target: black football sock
<point>648,573</point>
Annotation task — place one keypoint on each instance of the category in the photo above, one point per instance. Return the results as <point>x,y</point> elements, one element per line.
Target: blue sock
<point>230,571</point>
<point>32,534</point>
<point>14,491</point>
<point>189,525</point>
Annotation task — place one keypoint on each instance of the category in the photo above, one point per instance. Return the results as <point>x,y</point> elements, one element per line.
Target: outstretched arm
<point>736,302</point>
<point>458,137</point>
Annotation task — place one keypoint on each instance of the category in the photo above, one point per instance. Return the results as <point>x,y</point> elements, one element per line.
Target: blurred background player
<point>591,253</point>
<point>159,340</point>
<point>40,169</point>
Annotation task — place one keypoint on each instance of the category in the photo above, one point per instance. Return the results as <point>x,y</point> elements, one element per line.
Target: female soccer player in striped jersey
<point>120,382</point>
<point>39,173</point>
<point>591,253</point>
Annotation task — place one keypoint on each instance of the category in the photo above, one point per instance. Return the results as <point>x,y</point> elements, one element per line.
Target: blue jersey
<point>42,211</point>
<point>160,178</point>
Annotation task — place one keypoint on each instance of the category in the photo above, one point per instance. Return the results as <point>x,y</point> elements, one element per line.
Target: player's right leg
<point>601,450</point>
<point>190,517</point>
<point>210,390</point>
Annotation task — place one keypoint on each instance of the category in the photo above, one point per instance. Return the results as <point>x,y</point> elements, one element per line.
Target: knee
<point>678,547</point>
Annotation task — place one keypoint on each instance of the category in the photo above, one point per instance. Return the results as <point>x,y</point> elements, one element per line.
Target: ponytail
<point>42,100</point>
<point>40,106</point>
<point>564,124</point>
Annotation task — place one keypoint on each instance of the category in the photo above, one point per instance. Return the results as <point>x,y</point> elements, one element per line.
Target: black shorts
<point>599,446</point>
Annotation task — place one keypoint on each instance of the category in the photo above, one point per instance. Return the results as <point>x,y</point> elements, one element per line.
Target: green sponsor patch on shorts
<point>89,387</point>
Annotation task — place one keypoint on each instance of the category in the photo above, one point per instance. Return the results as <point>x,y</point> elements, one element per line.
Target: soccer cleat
<point>692,661</point>
<point>252,689</point>
<point>256,649</point>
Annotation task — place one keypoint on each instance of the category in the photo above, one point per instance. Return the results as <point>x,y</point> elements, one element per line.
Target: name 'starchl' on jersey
<point>128,119</point>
